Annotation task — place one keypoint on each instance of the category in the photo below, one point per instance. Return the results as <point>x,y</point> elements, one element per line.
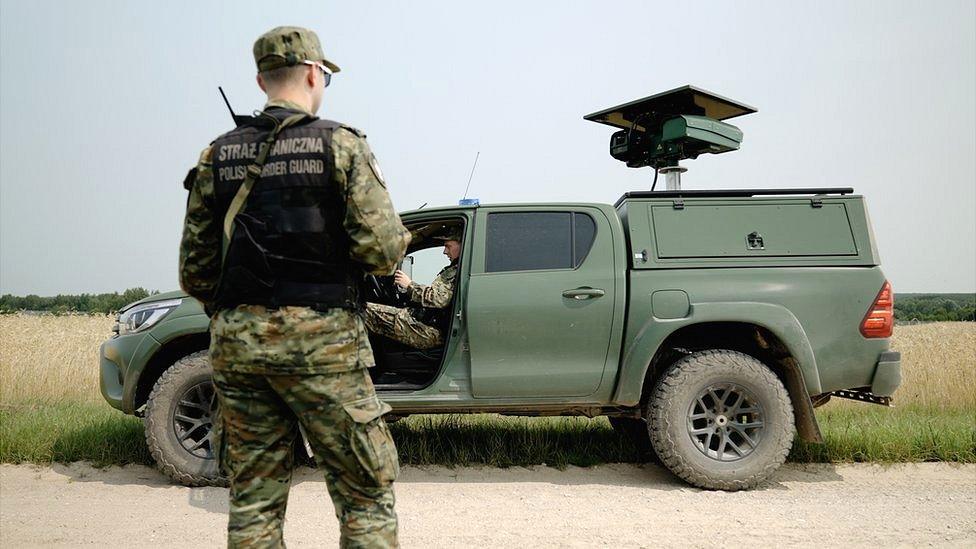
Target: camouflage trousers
<point>398,324</point>
<point>342,418</point>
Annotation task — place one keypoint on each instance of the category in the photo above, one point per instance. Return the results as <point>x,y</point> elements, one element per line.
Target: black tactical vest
<point>289,246</point>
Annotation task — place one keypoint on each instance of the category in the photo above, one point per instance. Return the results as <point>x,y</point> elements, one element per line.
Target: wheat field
<point>938,365</point>
<point>51,410</point>
<point>46,358</point>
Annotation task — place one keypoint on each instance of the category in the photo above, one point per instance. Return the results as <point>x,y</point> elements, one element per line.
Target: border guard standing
<point>286,214</point>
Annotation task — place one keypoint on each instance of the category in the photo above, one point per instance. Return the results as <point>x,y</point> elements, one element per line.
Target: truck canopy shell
<point>695,229</point>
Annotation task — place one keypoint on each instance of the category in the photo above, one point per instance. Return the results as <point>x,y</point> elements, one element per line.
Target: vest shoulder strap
<point>357,131</point>
<point>333,125</point>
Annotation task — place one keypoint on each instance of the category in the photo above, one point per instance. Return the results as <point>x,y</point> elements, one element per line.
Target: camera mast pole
<point>672,176</point>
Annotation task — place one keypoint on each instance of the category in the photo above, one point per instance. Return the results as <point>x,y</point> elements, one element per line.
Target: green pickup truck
<point>705,324</point>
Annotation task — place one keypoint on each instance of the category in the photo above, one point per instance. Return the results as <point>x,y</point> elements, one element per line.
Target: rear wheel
<point>179,419</point>
<point>721,420</point>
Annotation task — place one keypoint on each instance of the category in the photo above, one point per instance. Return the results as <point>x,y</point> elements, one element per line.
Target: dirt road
<point>607,506</point>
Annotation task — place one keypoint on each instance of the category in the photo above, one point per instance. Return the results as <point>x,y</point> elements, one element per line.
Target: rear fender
<point>775,318</point>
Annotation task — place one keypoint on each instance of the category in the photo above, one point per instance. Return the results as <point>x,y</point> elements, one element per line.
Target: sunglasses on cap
<point>326,73</point>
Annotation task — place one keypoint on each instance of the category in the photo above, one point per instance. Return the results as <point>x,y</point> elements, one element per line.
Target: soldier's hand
<point>401,279</point>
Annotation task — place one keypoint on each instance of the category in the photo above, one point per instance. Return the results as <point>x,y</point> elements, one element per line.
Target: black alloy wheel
<point>193,419</point>
<point>726,422</point>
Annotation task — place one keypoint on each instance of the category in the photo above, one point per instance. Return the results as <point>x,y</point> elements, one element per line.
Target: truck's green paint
<point>672,273</point>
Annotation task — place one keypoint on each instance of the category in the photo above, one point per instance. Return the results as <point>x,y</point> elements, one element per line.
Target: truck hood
<point>175,294</point>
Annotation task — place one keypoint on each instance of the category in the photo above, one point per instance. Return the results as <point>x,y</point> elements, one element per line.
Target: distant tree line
<point>933,307</point>
<point>908,307</point>
<point>63,304</point>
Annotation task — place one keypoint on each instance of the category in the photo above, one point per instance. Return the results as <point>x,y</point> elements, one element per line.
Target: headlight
<point>143,317</point>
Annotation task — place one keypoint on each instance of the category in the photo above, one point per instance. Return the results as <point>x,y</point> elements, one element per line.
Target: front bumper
<point>111,377</point>
<point>119,357</point>
<point>887,374</point>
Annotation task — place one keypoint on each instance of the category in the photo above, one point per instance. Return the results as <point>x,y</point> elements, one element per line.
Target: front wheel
<point>721,419</point>
<point>179,419</point>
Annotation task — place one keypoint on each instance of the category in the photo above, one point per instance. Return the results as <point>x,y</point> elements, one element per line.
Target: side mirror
<point>406,265</point>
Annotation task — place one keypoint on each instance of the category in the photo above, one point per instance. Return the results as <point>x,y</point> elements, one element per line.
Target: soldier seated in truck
<point>421,325</point>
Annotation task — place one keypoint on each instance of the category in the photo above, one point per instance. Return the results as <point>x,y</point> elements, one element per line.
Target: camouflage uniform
<point>277,368</point>
<point>400,324</point>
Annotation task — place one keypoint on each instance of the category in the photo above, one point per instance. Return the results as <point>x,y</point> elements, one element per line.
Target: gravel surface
<point>606,506</point>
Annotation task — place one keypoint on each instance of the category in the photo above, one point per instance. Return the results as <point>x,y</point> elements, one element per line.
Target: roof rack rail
<point>725,193</point>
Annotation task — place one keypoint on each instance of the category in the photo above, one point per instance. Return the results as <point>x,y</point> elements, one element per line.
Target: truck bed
<point>804,267</point>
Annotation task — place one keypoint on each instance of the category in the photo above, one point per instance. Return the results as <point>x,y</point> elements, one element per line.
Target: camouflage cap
<point>288,46</point>
<point>449,233</point>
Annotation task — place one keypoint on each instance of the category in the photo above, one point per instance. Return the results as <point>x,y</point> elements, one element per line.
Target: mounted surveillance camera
<point>663,129</point>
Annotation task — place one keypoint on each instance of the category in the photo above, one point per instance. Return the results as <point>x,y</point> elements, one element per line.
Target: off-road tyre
<point>171,457</point>
<point>675,398</point>
<point>635,430</point>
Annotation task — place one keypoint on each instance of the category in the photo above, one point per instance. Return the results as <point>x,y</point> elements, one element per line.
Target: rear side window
<point>528,241</point>
<point>584,232</point>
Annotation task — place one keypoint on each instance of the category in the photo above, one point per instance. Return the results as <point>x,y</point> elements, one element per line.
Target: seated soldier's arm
<point>438,295</point>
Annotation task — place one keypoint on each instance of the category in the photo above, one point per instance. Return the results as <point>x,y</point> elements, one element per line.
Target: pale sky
<point>104,106</point>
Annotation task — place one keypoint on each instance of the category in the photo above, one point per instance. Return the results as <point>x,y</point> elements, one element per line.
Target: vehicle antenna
<point>471,175</point>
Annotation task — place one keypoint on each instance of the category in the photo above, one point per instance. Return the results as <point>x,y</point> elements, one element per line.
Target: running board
<point>864,397</point>
<point>387,387</point>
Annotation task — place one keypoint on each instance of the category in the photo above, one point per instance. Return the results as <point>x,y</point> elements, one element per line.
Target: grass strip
<point>70,431</point>
<point>77,431</point>
<point>863,433</point>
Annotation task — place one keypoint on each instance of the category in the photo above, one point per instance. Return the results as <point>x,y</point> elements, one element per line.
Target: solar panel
<point>683,100</point>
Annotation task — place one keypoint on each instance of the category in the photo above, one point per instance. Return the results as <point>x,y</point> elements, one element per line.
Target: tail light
<point>880,319</point>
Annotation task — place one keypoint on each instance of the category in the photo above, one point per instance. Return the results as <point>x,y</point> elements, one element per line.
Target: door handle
<point>584,293</point>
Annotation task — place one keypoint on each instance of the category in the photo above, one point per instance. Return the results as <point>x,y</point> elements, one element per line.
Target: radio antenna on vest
<point>226,102</point>
<point>471,175</point>
<point>238,120</point>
